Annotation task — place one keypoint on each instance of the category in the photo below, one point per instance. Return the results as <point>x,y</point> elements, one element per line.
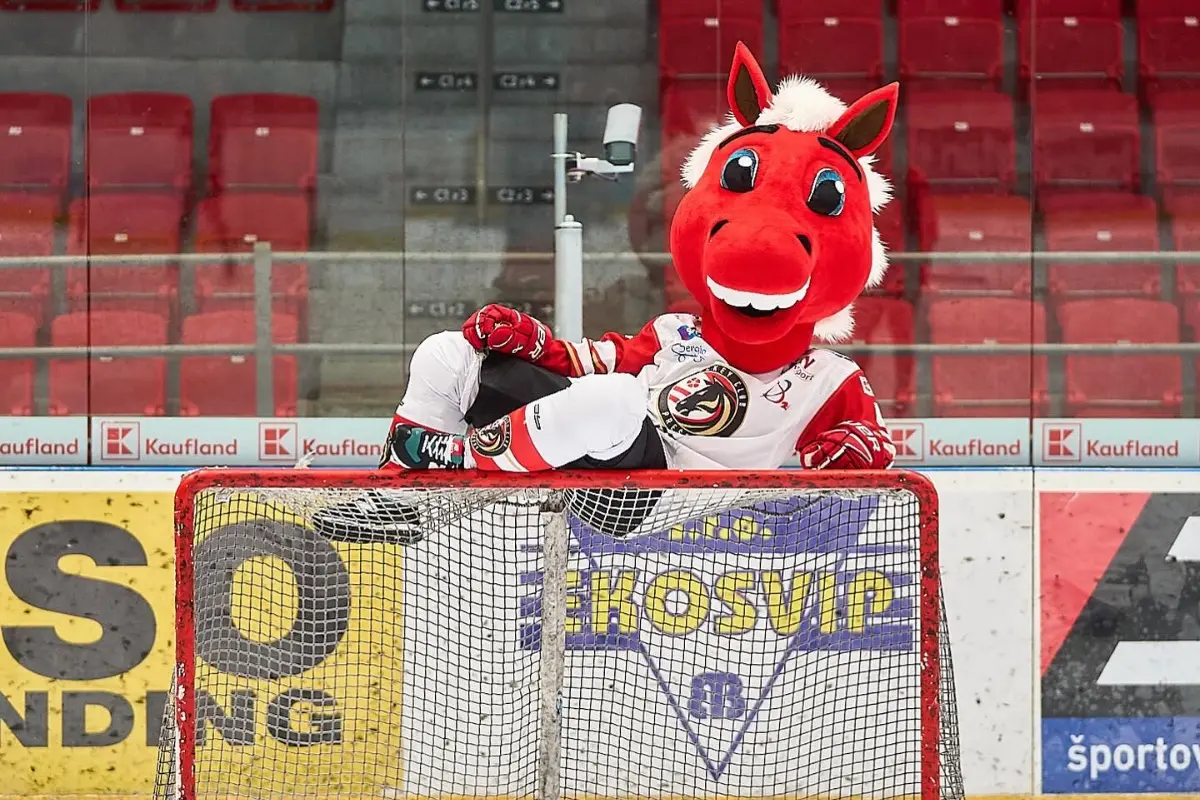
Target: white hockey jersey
<point>715,416</point>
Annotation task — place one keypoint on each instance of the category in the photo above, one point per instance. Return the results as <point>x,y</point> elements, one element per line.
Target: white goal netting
<point>770,638</point>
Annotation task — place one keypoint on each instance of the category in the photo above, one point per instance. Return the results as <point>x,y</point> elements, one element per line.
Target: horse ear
<point>748,90</point>
<point>868,121</point>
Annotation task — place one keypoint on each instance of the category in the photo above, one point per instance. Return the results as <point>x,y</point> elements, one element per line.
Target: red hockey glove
<point>851,445</point>
<point>506,330</point>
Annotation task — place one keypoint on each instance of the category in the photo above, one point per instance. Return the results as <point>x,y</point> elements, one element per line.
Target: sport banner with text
<point>1120,642</point>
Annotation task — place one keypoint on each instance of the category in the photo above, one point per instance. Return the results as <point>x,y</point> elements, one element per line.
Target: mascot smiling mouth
<point>774,236</point>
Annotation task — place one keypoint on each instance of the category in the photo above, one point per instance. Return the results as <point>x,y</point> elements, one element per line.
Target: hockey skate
<point>387,517</point>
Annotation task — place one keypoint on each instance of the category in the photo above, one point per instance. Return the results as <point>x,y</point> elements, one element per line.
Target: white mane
<point>802,104</point>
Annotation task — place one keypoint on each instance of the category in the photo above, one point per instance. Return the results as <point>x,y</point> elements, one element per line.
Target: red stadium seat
<point>1103,9</point>
<point>37,146</point>
<point>951,51</point>
<point>1177,139</point>
<point>49,5</point>
<point>16,376</point>
<point>263,141</point>
<point>832,48</point>
<point>124,224</point>
<point>1169,52</point>
<point>890,224</point>
<point>976,223</point>
<point>166,5</point>
<point>961,137</point>
<point>26,229</point>
<point>1115,385</point>
<point>102,384</point>
<point>224,386</point>
<point>886,320</point>
<point>283,5</point>
<point>1185,236</point>
<point>700,44</point>
<point>1159,9</point>
<point>988,384</point>
<point>980,9</point>
<point>1086,139</point>
<point>690,109</point>
<point>1072,52</point>
<point>234,223</point>
<point>668,9</point>
<point>139,140</point>
<point>820,9</point>
<point>1133,228</point>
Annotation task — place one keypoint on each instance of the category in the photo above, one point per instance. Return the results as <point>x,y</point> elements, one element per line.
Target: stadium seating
<point>982,384</point>
<point>981,9</point>
<point>234,223</point>
<point>26,229</point>
<point>263,141</point>
<point>226,385</point>
<point>951,51</point>
<point>16,376</point>
<point>1177,139</point>
<point>790,10</point>
<point>124,224</point>
<point>1169,52</point>
<point>282,5</point>
<point>1185,236</point>
<point>1116,385</point>
<point>961,138</point>
<point>139,140</point>
<point>701,44</point>
<point>670,9</point>
<point>191,6</point>
<point>37,148</point>
<point>1085,139</point>
<point>832,48</point>
<point>1129,227</point>
<point>1072,52</point>
<point>102,384</point>
<point>886,320</point>
<point>49,5</point>
<point>1101,9</point>
<point>969,223</point>
<point>890,224</point>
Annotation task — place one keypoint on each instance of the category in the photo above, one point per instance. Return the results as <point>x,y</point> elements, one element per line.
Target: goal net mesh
<point>761,640</point>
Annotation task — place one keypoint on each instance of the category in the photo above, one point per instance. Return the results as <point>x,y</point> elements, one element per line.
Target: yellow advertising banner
<point>86,639</point>
<point>299,684</point>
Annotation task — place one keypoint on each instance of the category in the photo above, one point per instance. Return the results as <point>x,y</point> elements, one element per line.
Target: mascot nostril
<point>805,242</point>
<point>721,223</point>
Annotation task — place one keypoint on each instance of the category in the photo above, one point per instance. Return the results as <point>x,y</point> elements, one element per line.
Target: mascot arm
<point>505,330</point>
<point>848,432</point>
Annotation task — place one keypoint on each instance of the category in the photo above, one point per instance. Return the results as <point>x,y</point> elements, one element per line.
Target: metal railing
<point>263,347</point>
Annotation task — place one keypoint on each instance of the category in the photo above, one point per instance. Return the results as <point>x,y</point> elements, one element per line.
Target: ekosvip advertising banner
<point>357,441</point>
<point>86,608</point>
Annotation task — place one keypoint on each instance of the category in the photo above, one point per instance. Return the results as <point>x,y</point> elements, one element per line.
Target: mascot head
<point>775,236</point>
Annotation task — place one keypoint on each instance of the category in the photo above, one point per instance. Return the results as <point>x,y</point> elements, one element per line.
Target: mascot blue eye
<point>828,195</point>
<point>740,170</point>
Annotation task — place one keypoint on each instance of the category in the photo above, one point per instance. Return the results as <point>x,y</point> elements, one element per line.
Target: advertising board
<point>1120,640</point>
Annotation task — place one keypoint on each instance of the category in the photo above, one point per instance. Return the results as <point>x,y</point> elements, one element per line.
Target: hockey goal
<point>573,635</point>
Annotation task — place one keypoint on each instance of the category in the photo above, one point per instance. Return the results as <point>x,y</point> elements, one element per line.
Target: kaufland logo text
<point>277,441</point>
<point>120,441</point>
<point>1062,442</point>
<point>909,440</point>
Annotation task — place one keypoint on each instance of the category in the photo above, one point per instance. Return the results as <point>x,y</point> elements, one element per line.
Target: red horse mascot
<point>775,240</point>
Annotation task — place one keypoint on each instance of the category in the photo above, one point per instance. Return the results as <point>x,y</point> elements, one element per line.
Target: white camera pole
<point>568,246</point>
<point>620,145</point>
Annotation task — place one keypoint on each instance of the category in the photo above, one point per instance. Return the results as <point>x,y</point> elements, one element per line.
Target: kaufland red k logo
<point>120,441</point>
<point>907,440</point>
<point>1062,442</point>
<point>277,442</point>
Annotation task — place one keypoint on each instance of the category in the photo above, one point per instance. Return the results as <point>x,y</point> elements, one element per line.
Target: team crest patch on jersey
<point>711,402</point>
<point>492,440</point>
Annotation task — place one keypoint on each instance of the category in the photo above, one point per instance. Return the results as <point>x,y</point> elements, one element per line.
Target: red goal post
<point>566,634</point>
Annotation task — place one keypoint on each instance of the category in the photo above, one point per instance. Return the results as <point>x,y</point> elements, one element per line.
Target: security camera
<point>621,134</point>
